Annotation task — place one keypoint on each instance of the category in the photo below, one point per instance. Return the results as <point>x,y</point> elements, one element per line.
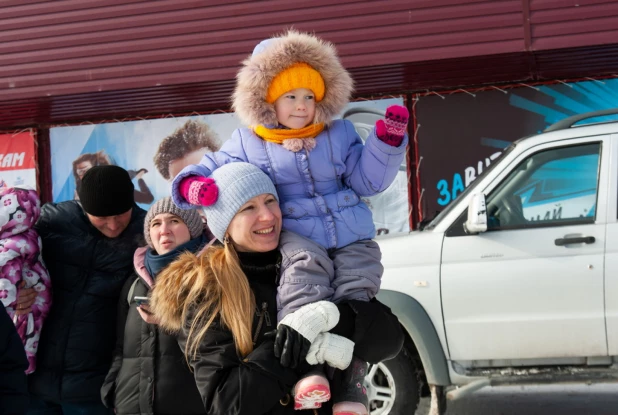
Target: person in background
<point>88,160</point>
<point>185,146</point>
<point>13,365</point>
<point>142,194</point>
<point>224,304</point>
<point>149,374</point>
<point>88,248</point>
<point>22,267</point>
<point>85,162</point>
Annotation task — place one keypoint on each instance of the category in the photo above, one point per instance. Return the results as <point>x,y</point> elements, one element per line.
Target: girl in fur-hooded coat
<point>20,260</point>
<point>320,170</point>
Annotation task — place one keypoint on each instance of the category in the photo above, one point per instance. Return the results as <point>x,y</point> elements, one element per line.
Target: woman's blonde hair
<point>196,290</point>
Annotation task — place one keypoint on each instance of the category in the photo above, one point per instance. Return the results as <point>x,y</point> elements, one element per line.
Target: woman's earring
<point>226,239</point>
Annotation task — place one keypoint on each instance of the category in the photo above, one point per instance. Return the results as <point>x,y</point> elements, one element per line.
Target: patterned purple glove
<point>392,129</point>
<point>199,190</point>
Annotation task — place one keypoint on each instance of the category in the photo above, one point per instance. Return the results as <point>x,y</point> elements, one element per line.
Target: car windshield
<point>469,189</point>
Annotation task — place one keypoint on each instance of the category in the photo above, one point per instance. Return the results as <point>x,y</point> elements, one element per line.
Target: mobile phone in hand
<point>140,300</point>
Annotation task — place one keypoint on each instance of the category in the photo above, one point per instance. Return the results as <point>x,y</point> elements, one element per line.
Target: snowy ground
<point>536,400</point>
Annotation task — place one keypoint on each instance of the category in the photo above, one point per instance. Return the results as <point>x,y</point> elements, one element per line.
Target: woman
<point>225,303</point>
<point>149,374</point>
<point>85,162</point>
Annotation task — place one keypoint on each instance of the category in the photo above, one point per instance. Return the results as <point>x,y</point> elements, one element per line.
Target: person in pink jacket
<point>21,267</point>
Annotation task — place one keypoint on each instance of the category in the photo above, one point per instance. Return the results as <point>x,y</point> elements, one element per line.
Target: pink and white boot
<point>311,391</point>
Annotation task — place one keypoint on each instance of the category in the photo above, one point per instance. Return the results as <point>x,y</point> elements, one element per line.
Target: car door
<point>532,285</point>
<point>611,254</point>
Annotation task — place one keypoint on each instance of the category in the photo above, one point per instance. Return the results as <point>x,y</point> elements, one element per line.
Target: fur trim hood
<point>168,297</point>
<point>275,55</point>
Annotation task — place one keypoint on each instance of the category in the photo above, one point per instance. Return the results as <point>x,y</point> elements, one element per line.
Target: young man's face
<point>192,157</point>
<point>111,226</point>
<point>296,108</point>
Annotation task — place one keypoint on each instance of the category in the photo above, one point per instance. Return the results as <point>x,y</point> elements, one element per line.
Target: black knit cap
<point>106,191</point>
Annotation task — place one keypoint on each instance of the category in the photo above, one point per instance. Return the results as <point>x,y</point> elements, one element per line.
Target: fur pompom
<point>293,144</point>
<point>309,144</point>
<point>297,144</point>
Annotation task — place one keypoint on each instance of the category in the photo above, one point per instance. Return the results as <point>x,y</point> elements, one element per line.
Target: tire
<point>393,386</point>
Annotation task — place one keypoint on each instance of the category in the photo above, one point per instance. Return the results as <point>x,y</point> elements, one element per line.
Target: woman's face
<point>82,168</point>
<point>167,232</point>
<point>257,225</point>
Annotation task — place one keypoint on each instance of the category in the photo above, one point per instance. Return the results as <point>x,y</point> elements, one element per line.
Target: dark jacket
<point>13,365</point>
<point>87,271</point>
<point>258,384</point>
<point>149,374</point>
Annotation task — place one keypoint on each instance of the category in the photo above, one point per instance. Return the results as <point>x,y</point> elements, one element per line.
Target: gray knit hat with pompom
<point>237,183</point>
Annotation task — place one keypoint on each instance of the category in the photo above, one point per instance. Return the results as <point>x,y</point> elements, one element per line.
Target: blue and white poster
<point>154,151</point>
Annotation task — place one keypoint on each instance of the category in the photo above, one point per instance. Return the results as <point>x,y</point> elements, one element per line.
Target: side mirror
<point>477,215</point>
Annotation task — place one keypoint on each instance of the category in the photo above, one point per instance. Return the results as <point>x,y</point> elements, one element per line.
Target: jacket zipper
<point>264,316</point>
<point>278,271</point>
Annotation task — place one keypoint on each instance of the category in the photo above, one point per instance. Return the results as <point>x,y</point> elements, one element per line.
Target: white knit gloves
<point>313,319</point>
<point>332,349</point>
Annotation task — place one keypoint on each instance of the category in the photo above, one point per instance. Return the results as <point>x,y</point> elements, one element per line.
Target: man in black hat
<point>88,248</point>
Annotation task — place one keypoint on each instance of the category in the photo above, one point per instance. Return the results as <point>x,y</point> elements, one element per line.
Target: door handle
<point>575,240</point>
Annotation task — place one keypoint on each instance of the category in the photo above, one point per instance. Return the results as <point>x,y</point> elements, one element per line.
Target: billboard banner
<point>154,151</point>
<point>18,160</point>
<point>461,134</point>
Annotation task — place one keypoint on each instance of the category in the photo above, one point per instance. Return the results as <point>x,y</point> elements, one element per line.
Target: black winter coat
<point>149,374</point>
<point>87,272</point>
<point>258,384</point>
<point>13,365</point>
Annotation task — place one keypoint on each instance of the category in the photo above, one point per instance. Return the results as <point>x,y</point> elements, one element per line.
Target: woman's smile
<point>266,231</point>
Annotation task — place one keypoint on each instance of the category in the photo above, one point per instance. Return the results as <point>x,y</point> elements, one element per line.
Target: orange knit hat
<point>298,75</point>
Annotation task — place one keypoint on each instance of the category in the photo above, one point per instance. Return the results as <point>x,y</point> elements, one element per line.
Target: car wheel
<point>393,386</point>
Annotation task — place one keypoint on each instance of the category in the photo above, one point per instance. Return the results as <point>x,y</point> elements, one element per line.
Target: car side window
<point>550,188</point>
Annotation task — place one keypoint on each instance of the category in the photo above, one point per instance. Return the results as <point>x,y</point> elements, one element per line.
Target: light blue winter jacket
<point>320,191</point>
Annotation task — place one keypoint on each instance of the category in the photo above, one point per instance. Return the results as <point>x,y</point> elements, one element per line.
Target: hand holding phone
<point>146,315</point>
<point>140,301</point>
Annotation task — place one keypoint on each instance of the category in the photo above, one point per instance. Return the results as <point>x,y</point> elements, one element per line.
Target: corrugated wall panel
<point>572,23</point>
<point>71,47</point>
<point>72,60</point>
<point>210,96</point>
<point>419,36</point>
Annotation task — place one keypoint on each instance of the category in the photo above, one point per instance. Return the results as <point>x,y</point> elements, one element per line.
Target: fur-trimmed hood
<point>275,55</point>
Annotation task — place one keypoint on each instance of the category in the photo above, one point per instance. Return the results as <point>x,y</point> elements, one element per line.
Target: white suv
<point>516,281</point>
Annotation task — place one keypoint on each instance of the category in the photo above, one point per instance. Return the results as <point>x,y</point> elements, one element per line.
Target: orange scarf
<point>278,135</point>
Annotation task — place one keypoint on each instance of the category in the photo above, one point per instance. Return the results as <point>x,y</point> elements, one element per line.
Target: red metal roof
<point>73,60</point>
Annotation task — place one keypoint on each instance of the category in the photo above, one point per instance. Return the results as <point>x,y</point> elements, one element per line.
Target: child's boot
<point>311,391</point>
<point>353,399</point>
